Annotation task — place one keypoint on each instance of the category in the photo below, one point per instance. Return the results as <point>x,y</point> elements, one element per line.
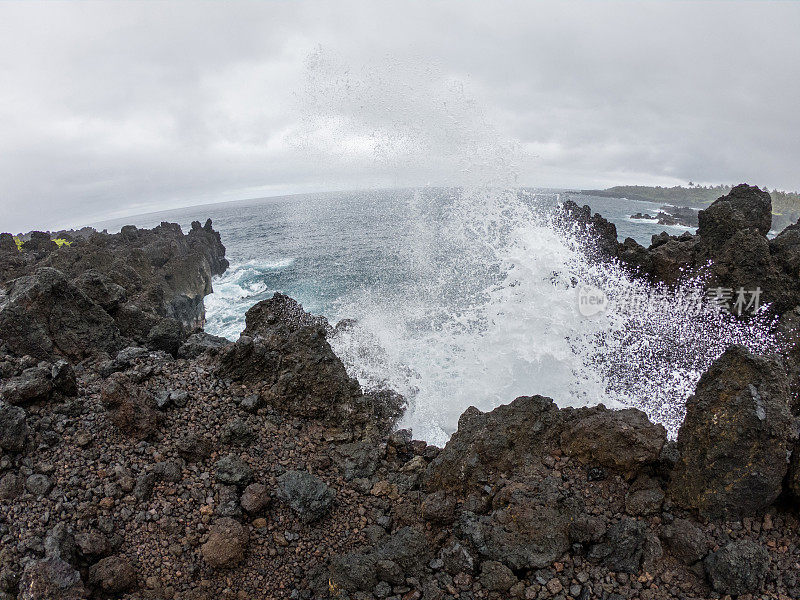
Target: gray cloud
<point>117,108</point>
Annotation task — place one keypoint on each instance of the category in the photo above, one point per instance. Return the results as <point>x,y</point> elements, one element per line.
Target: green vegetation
<point>785,205</point>
<point>59,241</point>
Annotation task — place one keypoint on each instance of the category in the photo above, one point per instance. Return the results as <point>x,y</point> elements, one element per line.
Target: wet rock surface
<point>736,438</point>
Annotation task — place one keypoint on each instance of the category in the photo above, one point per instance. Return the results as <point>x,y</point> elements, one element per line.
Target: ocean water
<point>469,296</point>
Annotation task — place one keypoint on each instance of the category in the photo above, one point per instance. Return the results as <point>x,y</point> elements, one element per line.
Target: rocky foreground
<point>143,458</point>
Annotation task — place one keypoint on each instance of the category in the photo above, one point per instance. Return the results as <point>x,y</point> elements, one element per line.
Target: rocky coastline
<point>143,458</point>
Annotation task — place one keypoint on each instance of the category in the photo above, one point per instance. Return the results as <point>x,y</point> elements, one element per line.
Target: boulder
<point>201,342</point>
<point>624,546</point>
<point>63,377</point>
<point>354,571</point>
<point>166,335</point>
<point>194,446</point>
<point>685,541</point>
<point>38,484</point>
<point>51,578</point>
<point>129,407</point>
<point>737,568</point>
<point>735,439</point>
<point>306,494</point>
<point>226,545</point>
<point>113,574</point>
<point>496,577</point>
<point>623,440</point>
<point>233,470</point>
<point>13,428</point>
<point>530,531</point>
<point>510,437</point>
<point>518,436</point>
<point>101,290</point>
<point>92,544</point>
<point>255,499</point>
<point>407,547</point>
<point>45,314</point>
<point>60,543</point>
<point>33,385</point>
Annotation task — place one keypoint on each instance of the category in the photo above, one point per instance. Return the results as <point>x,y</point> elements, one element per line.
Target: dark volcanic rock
<point>77,300</point>
<point>597,230</point>
<point>198,343</point>
<point>497,577</point>
<point>45,314</point>
<point>255,499</point>
<point>623,549</point>
<point>743,208</point>
<point>129,407</point>
<point>685,541</point>
<point>101,290</point>
<point>736,437</point>
<point>529,532</point>
<point>738,568</point>
<point>166,335</point>
<point>232,470</point>
<point>512,436</point>
<point>33,385</point>
<point>730,250</point>
<point>624,440</point>
<point>516,436</point>
<point>194,446</point>
<point>51,578</point>
<point>285,349</point>
<point>306,494</point>
<point>13,428</point>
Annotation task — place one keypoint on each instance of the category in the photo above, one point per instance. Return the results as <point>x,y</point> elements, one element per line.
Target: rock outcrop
<point>285,352</point>
<point>730,249</point>
<point>103,291</point>
<point>518,436</point>
<point>736,438</point>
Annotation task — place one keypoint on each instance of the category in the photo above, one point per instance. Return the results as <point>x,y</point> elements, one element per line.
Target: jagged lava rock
<point>13,427</point>
<point>744,207</point>
<point>80,299</point>
<point>735,440</point>
<point>737,568</point>
<point>113,574</point>
<point>51,578</point>
<point>516,436</point>
<point>45,314</point>
<point>623,440</point>
<point>285,350</point>
<point>306,494</point>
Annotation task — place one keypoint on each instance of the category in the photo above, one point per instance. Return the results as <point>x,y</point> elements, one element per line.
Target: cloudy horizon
<point>115,109</point>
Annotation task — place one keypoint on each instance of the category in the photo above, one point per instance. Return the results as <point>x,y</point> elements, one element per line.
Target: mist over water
<point>467,293</point>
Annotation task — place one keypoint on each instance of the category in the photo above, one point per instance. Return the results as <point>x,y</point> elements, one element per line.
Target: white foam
<point>235,291</point>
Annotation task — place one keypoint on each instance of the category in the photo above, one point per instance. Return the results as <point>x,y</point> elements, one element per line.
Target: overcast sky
<point>108,109</point>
